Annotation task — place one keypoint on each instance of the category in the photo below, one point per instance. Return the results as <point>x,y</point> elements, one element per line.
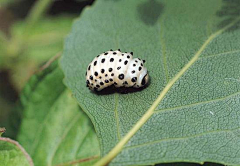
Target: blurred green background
<point>31,33</point>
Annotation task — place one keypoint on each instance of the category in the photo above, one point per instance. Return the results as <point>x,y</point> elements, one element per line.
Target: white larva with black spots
<point>117,68</point>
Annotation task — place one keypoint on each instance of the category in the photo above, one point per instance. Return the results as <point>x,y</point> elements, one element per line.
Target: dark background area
<point>10,108</point>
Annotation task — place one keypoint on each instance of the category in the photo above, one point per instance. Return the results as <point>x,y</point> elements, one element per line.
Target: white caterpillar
<point>115,67</point>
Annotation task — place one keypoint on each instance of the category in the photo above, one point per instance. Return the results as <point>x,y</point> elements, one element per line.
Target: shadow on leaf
<point>230,11</point>
<point>122,90</point>
<point>150,11</point>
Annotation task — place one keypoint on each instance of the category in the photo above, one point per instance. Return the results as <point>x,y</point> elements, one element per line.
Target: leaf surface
<point>54,129</point>
<point>11,153</point>
<point>198,119</point>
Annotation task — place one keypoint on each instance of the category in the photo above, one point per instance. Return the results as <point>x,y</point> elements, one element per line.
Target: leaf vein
<point>81,143</point>
<point>120,145</point>
<point>78,161</point>
<point>183,138</point>
<point>223,53</point>
<point>199,103</point>
<point>74,121</point>
<point>40,128</point>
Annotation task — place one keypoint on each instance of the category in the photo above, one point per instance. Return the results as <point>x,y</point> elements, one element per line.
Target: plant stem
<point>114,152</point>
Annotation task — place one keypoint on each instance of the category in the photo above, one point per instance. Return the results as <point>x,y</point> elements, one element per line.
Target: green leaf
<point>54,130</point>
<point>33,49</point>
<point>11,153</point>
<point>198,118</point>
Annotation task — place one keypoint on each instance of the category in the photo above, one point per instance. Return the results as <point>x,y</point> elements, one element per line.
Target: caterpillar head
<point>142,75</point>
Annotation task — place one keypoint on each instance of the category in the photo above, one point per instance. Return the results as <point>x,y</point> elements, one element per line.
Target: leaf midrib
<point>192,136</point>
<point>117,149</point>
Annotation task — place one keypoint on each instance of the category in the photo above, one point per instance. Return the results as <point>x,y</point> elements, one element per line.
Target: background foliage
<point>197,120</point>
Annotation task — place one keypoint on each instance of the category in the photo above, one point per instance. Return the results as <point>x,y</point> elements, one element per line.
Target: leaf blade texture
<point>197,119</point>
<point>12,153</point>
<point>60,133</point>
